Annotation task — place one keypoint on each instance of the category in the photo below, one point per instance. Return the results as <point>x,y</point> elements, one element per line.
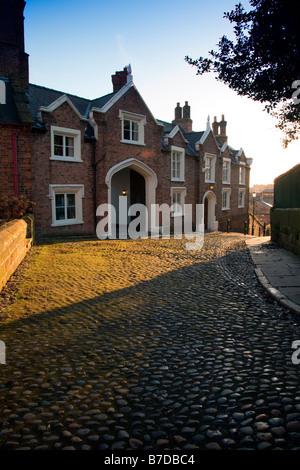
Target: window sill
<point>178,180</point>
<point>225,208</point>
<point>132,142</point>
<point>63,223</point>
<point>66,159</point>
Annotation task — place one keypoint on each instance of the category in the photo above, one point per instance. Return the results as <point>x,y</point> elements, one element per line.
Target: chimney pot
<point>178,113</point>
<point>215,126</point>
<point>182,117</point>
<point>223,125</point>
<point>186,111</point>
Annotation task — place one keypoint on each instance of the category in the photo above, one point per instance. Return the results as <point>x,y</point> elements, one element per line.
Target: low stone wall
<point>285,228</point>
<point>14,244</point>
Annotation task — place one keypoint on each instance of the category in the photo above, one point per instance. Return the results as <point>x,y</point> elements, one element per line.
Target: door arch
<point>128,170</point>
<point>209,202</point>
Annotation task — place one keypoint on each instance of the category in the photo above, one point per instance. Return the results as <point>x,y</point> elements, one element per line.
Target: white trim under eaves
<point>240,152</point>
<point>204,136</point>
<point>61,100</point>
<point>113,100</point>
<point>116,98</point>
<point>223,148</point>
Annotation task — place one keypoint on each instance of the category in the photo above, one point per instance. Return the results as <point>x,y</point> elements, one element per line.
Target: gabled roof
<point>47,99</point>
<point>193,138</point>
<point>171,130</point>
<point>39,96</point>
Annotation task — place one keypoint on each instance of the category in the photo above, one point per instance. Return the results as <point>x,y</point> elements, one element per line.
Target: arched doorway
<point>131,187</point>
<point>138,182</point>
<point>209,203</point>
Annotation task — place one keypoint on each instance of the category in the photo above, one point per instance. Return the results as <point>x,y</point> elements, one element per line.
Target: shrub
<point>14,207</point>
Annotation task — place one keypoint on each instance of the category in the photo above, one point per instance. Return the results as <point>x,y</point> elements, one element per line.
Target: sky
<point>76,47</point>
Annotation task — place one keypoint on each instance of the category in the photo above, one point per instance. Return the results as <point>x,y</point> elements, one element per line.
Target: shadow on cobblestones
<point>177,351</point>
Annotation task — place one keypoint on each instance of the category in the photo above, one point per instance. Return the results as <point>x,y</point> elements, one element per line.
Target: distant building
<point>268,196</point>
<point>71,154</point>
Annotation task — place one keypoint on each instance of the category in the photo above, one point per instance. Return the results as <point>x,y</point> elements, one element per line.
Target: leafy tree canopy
<point>263,61</point>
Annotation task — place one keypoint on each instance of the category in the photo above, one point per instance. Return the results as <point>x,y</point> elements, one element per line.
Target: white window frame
<point>241,194</point>
<point>212,167</point>
<point>242,174</point>
<point>226,175</point>
<point>182,193</point>
<point>78,190</point>
<point>138,119</point>
<point>228,193</point>
<point>66,132</point>
<point>179,152</point>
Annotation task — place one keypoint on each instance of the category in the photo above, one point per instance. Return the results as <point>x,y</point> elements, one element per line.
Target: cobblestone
<point>144,345</point>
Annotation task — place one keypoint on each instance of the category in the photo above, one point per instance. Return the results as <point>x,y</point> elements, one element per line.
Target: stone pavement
<point>141,344</point>
<point>278,270</point>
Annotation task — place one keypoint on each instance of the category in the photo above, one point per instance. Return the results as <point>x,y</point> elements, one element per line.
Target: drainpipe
<point>15,162</point>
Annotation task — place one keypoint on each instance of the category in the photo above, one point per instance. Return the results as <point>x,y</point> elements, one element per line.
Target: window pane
<point>225,172</point>
<point>71,213</point>
<point>60,200</point>
<point>176,165</point>
<point>173,165</point>
<point>178,169</point>
<point>208,166</point>
<point>176,202</point>
<point>126,129</point>
<point>60,206</point>
<point>69,146</point>
<point>58,145</point>
<point>71,199</point>
<point>135,131</point>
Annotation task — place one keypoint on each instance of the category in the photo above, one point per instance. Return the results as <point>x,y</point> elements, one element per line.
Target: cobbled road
<point>141,344</point>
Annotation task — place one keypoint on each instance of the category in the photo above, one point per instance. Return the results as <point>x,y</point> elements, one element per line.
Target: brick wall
<point>47,172</point>
<point>23,145</point>
<point>13,247</point>
<point>285,228</point>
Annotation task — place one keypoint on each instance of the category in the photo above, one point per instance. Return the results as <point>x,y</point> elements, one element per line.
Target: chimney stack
<point>219,129</point>
<point>222,136</point>
<point>215,126</point>
<point>13,58</point>
<point>178,112</point>
<point>120,79</point>
<point>186,110</point>
<point>182,117</point>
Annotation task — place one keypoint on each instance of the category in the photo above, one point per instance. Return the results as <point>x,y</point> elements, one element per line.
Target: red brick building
<point>71,154</point>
